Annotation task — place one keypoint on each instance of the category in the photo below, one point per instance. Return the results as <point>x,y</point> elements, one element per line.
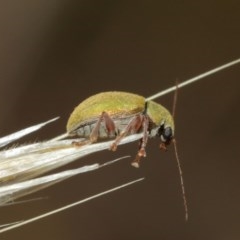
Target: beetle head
<point>162,123</point>
<point>165,132</point>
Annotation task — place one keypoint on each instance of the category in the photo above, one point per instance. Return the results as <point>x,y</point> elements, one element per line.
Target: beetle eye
<point>166,134</point>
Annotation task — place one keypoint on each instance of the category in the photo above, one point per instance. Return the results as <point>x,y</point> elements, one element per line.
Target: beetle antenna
<point>175,99</point>
<point>181,179</point>
<point>176,154</point>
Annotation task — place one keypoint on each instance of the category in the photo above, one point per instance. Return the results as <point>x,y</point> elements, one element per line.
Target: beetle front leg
<point>142,143</point>
<point>110,126</point>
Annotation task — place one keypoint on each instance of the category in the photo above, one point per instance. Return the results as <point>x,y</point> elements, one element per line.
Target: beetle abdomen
<point>85,130</point>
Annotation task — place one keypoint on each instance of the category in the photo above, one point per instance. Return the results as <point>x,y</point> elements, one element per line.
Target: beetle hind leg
<point>134,125</point>
<point>142,143</point>
<point>110,126</point>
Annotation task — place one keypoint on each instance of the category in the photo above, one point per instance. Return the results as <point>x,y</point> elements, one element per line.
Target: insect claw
<point>93,139</point>
<point>113,147</point>
<point>163,146</point>
<point>142,152</point>
<point>135,164</point>
<point>80,143</point>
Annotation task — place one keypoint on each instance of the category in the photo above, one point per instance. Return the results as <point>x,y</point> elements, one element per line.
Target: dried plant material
<point>29,161</point>
<point>19,134</point>
<point>32,160</point>
<point>22,223</point>
<point>13,191</point>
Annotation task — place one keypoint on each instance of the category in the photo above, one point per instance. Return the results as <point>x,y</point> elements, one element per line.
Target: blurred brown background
<point>54,54</point>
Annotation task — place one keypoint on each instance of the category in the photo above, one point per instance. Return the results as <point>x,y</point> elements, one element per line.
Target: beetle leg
<point>142,143</point>
<point>134,125</point>
<point>144,139</point>
<point>163,146</point>
<point>110,126</point>
<point>80,143</point>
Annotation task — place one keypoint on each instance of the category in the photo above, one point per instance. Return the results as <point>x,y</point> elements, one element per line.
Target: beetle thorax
<point>159,115</point>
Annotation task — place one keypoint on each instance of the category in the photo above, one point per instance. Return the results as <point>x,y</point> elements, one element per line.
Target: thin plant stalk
<point>194,79</point>
<point>19,224</point>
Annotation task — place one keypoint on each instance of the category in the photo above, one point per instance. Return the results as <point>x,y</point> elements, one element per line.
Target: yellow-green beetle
<point>118,114</point>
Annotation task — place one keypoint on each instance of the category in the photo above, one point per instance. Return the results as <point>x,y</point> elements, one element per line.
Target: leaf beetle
<point>117,114</point>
